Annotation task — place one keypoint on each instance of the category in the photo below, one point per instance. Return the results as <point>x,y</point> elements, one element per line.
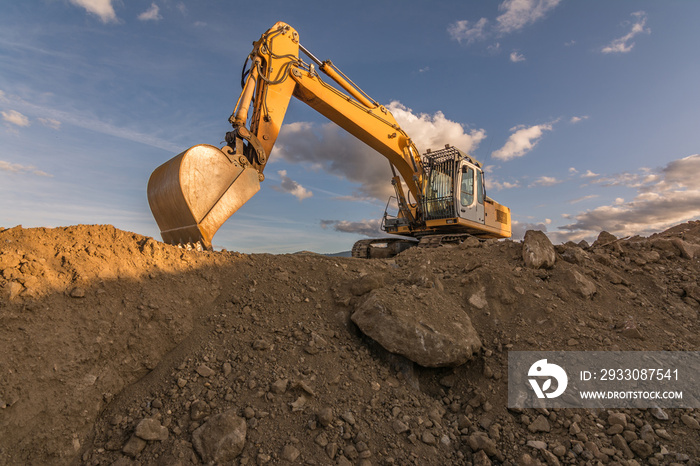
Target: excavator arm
<point>278,73</point>
<point>193,194</point>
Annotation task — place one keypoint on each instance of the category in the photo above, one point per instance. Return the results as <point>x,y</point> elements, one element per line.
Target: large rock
<point>221,438</point>
<point>538,251</point>
<point>12,290</point>
<point>150,429</point>
<point>573,254</point>
<point>641,448</point>
<point>687,250</point>
<point>423,325</point>
<point>364,285</point>
<point>666,246</point>
<point>480,441</point>
<point>581,284</point>
<point>604,239</point>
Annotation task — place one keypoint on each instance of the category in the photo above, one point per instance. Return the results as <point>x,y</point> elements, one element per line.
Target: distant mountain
<point>335,254</point>
<point>340,254</point>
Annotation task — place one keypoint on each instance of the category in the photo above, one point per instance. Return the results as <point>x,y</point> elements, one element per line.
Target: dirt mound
<point>121,350</point>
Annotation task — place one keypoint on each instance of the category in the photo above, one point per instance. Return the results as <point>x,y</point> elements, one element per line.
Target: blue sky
<point>584,113</point>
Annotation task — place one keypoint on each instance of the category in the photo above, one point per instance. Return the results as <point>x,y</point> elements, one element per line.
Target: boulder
<point>538,251</point>
<point>470,242</point>
<point>480,441</point>
<point>13,290</point>
<point>423,325</point>
<point>574,255</point>
<point>687,250</point>
<point>641,448</point>
<point>134,446</point>
<point>666,246</point>
<point>580,284</point>
<point>221,438</point>
<point>365,284</point>
<point>150,429</point>
<point>540,424</point>
<point>617,418</point>
<point>604,239</point>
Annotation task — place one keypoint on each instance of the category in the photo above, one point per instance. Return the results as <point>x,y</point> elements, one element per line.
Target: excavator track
<point>360,250</point>
<point>381,248</point>
<point>434,241</point>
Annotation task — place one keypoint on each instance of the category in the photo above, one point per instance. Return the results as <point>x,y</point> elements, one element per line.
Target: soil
<point>120,350</point>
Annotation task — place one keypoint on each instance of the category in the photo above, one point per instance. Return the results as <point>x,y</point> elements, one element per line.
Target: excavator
<point>440,196</point>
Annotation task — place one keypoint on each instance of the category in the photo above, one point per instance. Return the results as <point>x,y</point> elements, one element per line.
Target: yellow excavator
<point>440,196</point>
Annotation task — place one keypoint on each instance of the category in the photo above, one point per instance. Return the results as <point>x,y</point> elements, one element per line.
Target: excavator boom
<point>194,193</point>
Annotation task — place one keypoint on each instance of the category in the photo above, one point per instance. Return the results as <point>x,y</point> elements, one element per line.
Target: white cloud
<point>584,198</point>
<point>545,181</point>
<point>371,228</point>
<point>102,8</point>
<point>577,119</point>
<point>50,122</point>
<point>463,30</point>
<point>83,119</point>
<point>434,131</point>
<point>516,15</point>
<point>496,185</point>
<point>665,198</point>
<point>522,141</point>
<point>519,13</point>
<point>290,186</point>
<point>518,228</point>
<point>589,174</point>
<point>15,118</point>
<point>626,179</point>
<point>623,44</point>
<point>327,147</point>
<point>17,168</point>
<point>331,149</point>
<point>152,14</point>
<point>516,57</point>
<point>681,173</point>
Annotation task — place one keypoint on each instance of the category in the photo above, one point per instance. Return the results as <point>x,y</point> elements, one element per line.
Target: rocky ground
<point>120,350</point>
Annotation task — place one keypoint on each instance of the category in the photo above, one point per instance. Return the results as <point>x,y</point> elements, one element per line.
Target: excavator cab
<point>454,197</point>
<point>455,186</point>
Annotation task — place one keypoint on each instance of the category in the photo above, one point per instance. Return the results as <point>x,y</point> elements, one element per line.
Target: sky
<point>585,114</point>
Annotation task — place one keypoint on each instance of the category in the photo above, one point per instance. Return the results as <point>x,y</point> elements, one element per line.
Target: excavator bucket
<point>194,193</point>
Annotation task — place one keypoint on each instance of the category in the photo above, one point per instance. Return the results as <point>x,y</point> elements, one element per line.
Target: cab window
<point>467,189</point>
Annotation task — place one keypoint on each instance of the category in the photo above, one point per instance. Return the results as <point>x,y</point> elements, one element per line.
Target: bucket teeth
<point>198,246</point>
